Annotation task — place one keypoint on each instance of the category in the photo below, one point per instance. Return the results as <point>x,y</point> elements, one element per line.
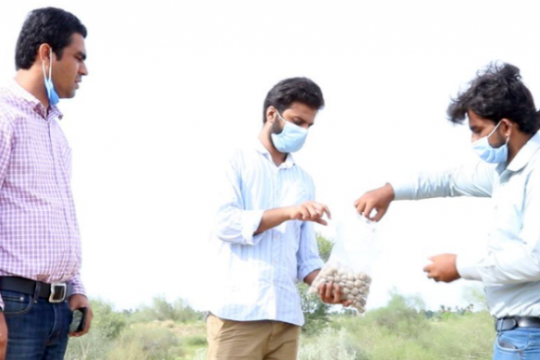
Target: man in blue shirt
<point>264,238</point>
<point>504,123</point>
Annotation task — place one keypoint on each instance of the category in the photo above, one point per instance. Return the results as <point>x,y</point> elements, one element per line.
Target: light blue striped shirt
<point>255,276</point>
<point>510,267</point>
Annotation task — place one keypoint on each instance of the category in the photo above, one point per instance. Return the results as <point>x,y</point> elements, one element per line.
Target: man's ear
<point>508,127</point>
<point>271,114</point>
<point>44,53</point>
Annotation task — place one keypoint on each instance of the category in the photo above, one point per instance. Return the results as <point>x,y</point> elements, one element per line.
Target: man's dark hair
<point>497,93</point>
<point>46,26</point>
<point>287,91</point>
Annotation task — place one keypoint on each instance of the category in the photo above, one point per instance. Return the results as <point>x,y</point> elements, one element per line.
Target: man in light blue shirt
<point>504,124</point>
<point>264,239</point>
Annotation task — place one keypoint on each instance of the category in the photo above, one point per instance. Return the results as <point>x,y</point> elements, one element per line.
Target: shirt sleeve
<point>6,138</point>
<point>517,260</point>
<point>474,180</point>
<point>234,223</point>
<point>78,287</point>
<point>307,256</point>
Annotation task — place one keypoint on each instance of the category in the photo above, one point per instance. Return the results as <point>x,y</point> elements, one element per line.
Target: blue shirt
<point>510,266</point>
<point>255,276</point>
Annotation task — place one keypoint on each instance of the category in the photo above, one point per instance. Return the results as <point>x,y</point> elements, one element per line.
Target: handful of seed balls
<point>354,285</point>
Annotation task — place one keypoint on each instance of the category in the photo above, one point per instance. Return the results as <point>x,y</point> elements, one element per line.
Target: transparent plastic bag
<point>351,260</point>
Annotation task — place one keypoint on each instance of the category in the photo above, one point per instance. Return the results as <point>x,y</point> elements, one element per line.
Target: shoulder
<point>8,109</point>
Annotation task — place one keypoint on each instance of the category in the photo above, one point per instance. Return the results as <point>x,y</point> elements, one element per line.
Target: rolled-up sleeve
<point>234,224</point>
<point>307,257</point>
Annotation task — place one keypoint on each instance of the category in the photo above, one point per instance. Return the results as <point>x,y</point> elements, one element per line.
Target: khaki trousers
<point>251,340</point>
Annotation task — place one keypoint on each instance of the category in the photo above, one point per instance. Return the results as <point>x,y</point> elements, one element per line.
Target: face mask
<point>488,153</point>
<point>291,139</point>
<point>49,86</point>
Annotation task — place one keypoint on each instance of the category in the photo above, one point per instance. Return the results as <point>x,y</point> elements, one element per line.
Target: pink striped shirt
<point>39,235</point>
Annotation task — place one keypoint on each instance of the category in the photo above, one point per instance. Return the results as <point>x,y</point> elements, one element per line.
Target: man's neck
<point>515,145</point>
<point>277,157</point>
<point>33,82</point>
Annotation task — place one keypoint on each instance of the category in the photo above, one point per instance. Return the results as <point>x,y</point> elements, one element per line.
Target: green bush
<point>146,342</point>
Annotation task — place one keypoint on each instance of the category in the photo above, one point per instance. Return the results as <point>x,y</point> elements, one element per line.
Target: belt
<point>512,322</point>
<point>55,292</point>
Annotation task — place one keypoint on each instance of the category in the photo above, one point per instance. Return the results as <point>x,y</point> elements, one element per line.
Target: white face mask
<point>487,152</point>
<point>291,139</point>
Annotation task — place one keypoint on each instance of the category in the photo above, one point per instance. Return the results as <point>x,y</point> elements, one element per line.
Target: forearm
<point>272,218</point>
<point>311,276</point>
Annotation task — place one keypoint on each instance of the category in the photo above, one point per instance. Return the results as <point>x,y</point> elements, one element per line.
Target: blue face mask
<point>291,139</point>
<point>49,86</point>
<point>487,152</point>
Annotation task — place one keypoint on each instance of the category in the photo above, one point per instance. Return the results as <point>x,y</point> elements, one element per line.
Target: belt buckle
<point>58,292</point>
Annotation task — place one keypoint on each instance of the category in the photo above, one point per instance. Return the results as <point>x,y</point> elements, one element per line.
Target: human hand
<point>309,211</point>
<point>330,293</point>
<point>443,268</point>
<point>3,336</point>
<point>78,301</point>
<point>378,199</point>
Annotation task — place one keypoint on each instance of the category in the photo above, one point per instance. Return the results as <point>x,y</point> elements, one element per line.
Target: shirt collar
<point>523,156</point>
<point>21,93</point>
<point>289,161</point>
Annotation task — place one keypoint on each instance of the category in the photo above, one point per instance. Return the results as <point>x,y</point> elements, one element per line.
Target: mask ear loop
<point>50,66</point>
<point>50,63</point>
<point>494,129</point>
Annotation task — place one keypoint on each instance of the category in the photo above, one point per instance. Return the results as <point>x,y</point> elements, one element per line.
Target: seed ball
<point>346,291</point>
<point>354,291</point>
<point>349,284</point>
<point>350,297</point>
<point>329,278</point>
<point>362,302</point>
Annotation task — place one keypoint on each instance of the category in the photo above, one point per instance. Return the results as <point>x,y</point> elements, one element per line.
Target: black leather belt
<point>55,292</point>
<point>512,322</point>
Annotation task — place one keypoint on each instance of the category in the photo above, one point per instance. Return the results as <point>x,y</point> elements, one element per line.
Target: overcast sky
<point>175,86</point>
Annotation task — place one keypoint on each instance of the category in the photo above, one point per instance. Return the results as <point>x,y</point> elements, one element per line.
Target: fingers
<point>337,294</point>
<point>304,213</point>
<point>360,205</point>
<point>380,214</point>
<point>367,211</point>
<point>327,211</point>
<point>313,211</point>
<point>328,292</point>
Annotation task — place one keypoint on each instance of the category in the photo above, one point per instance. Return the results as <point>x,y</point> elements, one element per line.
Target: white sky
<point>174,86</point>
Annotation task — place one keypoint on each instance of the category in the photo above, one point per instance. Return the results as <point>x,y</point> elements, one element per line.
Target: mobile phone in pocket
<point>79,320</point>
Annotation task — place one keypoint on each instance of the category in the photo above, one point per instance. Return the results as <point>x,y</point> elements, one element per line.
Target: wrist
<point>390,190</point>
<point>288,213</point>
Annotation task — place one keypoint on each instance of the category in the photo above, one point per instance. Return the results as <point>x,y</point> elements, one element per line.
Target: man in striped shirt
<point>264,238</point>
<point>40,250</point>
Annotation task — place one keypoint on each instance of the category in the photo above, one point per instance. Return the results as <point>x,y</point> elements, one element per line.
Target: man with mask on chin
<point>504,124</point>
<point>264,238</point>
<point>40,250</point>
